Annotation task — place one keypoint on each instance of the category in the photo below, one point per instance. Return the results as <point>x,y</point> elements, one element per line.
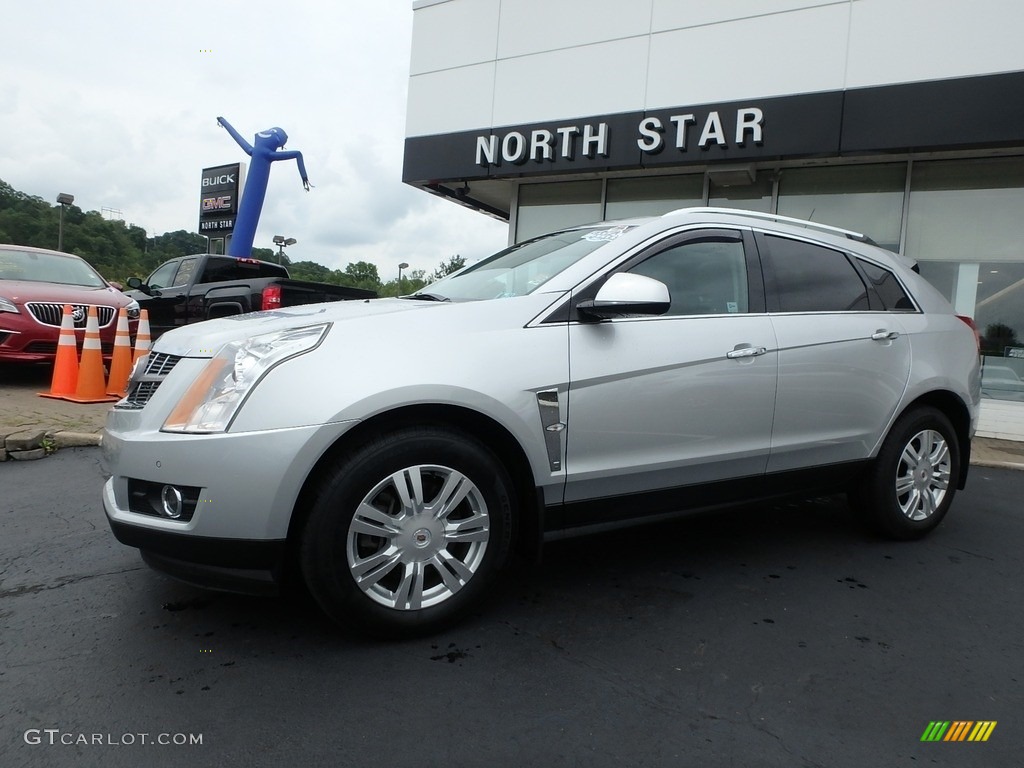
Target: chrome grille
<point>144,384</point>
<point>159,364</point>
<point>51,313</point>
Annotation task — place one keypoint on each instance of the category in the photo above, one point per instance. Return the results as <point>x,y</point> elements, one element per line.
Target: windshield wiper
<point>426,297</point>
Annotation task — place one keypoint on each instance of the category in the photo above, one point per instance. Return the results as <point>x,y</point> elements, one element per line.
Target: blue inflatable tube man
<point>267,149</point>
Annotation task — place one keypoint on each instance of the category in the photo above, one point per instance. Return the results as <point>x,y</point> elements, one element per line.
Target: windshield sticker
<point>606,235</point>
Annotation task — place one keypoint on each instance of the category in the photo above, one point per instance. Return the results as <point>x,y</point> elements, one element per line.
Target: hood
<point>21,291</point>
<point>206,338</point>
<point>362,321</point>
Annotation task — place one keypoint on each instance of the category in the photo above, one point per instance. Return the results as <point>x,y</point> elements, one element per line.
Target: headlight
<point>132,310</point>
<point>6,305</point>
<point>219,391</point>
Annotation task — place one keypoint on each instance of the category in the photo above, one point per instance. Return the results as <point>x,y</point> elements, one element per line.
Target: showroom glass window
<point>862,198</point>
<point>737,192</point>
<point>653,196</point>
<point>551,207</point>
<point>963,227</point>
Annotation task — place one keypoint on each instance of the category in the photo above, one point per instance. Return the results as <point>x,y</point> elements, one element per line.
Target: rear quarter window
<point>887,286</point>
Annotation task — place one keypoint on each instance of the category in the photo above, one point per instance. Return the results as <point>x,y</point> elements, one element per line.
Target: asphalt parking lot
<point>764,636</point>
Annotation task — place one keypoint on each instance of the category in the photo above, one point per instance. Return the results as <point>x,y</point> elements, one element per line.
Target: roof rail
<point>783,219</point>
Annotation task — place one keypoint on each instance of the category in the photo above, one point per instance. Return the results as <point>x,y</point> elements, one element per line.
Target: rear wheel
<point>406,533</point>
<point>911,484</point>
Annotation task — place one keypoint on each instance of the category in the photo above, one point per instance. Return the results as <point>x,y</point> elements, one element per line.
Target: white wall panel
<point>1001,419</point>
<point>673,14</point>
<point>451,100</point>
<point>796,52</point>
<point>535,26</point>
<point>895,41</point>
<point>454,34</point>
<point>591,80</point>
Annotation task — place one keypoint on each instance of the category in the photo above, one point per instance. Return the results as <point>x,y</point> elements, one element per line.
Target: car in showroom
<point>35,284</point>
<point>389,454</point>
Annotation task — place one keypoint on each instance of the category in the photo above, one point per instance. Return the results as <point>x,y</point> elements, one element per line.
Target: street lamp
<point>65,200</point>
<point>401,266</point>
<point>281,241</point>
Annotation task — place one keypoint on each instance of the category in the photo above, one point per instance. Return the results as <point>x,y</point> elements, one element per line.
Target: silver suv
<point>390,453</point>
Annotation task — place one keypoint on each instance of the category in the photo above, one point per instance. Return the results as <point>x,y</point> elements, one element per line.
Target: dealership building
<point>901,119</point>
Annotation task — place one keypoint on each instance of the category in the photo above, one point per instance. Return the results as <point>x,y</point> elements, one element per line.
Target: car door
<point>659,403</point>
<point>844,360</point>
<point>169,285</point>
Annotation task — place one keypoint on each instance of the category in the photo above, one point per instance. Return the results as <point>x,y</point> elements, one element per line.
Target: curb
<point>75,439</point>
<point>998,464</point>
<point>34,444</point>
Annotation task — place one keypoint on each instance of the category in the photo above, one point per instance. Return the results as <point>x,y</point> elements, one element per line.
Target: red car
<point>35,284</point>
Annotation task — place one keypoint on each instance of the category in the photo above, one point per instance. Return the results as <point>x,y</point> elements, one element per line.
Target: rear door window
<point>185,271</point>
<point>806,277</point>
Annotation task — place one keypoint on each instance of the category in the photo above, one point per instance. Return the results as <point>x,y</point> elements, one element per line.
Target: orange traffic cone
<point>65,365</point>
<point>121,361</point>
<point>91,386</point>
<point>142,340</point>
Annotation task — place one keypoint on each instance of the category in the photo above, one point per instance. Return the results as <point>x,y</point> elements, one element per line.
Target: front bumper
<point>251,567</point>
<point>248,486</point>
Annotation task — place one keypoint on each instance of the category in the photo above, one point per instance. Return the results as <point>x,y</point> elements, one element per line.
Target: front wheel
<point>407,532</point>
<point>910,486</point>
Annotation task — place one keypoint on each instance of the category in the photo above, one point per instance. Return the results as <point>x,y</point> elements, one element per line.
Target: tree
<point>998,336</point>
<point>447,267</point>
<point>310,270</point>
<point>361,274</point>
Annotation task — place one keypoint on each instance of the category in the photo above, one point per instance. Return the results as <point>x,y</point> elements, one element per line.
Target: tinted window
<point>219,269</point>
<point>811,278</point>
<point>886,286</point>
<point>704,277</point>
<point>163,276</point>
<point>188,266</point>
<point>226,268</point>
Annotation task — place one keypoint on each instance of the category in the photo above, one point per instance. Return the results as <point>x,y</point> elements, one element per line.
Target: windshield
<point>524,267</point>
<point>47,268</point>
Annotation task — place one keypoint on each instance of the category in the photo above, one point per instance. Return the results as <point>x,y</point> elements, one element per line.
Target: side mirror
<point>138,285</point>
<point>627,295</point>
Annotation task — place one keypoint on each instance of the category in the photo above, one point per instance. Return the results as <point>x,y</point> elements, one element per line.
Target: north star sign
<point>740,127</point>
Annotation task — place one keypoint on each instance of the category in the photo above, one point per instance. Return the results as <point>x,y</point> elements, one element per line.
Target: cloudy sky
<point>116,101</point>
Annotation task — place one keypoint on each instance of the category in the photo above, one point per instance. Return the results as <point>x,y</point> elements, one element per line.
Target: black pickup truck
<point>201,287</point>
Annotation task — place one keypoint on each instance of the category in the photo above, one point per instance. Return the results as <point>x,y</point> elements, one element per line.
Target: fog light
<point>172,503</point>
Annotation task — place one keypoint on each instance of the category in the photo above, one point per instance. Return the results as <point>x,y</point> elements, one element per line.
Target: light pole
<point>65,200</point>
<point>401,266</point>
<point>281,241</point>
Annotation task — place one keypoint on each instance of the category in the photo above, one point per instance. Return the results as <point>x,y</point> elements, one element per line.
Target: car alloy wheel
<point>922,475</point>
<point>908,488</point>
<point>407,531</point>
<point>418,537</point>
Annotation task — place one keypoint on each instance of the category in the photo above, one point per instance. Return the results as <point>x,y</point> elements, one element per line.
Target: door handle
<point>745,350</point>
<point>883,335</point>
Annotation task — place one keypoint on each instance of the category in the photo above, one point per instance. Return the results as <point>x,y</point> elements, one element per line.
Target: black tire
<point>390,565</point>
<point>910,486</point>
